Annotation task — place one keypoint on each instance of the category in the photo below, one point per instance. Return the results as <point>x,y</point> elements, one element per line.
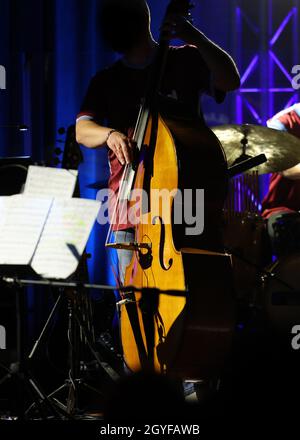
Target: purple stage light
<point>280,65</point>
<point>253,111</point>
<point>249,69</point>
<point>281,89</point>
<point>250,23</point>
<point>272,89</point>
<point>253,90</point>
<point>239,109</point>
<point>282,26</point>
<point>265,63</point>
<point>292,101</point>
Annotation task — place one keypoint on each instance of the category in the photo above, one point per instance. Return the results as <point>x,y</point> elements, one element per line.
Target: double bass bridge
<point>130,246</point>
<point>144,251</point>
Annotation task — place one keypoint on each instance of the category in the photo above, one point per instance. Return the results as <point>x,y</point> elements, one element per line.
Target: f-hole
<point>162,243</point>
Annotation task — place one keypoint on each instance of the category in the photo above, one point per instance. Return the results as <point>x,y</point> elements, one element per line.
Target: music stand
<point>13,172</point>
<point>35,257</point>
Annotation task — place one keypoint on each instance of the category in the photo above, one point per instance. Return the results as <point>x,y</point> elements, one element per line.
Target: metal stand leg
<point>20,370</point>
<point>76,328</point>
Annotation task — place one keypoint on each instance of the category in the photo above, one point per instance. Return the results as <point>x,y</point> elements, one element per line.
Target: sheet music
<point>50,182</point>
<point>21,222</point>
<point>69,225</point>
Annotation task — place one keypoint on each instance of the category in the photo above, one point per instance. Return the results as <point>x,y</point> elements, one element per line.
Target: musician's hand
<point>178,27</point>
<point>122,146</point>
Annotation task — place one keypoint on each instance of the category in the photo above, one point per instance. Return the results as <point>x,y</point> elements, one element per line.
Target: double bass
<point>176,313</point>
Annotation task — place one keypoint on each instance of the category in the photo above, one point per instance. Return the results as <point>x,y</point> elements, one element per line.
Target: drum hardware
<point>281,288</point>
<point>258,270</point>
<point>245,239</point>
<point>270,273</point>
<point>279,283</point>
<point>238,255</point>
<point>276,301</point>
<point>245,163</point>
<point>263,273</point>
<point>280,301</point>
<point>286,298</point>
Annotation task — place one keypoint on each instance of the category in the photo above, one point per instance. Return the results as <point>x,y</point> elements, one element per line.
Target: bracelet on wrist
<point>109,133</point>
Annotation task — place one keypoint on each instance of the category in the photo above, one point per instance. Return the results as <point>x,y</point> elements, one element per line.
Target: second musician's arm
<point>292,173</point>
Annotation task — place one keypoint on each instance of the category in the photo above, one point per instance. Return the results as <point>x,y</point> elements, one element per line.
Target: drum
<point>245,237</point>
<point>281,293</point>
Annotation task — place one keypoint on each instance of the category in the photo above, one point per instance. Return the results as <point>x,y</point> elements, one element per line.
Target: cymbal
<point>282,149</point>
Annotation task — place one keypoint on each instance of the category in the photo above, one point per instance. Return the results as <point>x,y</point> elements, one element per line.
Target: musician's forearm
<point>292,173</point>
<point>223,69</point>
<point>90,134</point>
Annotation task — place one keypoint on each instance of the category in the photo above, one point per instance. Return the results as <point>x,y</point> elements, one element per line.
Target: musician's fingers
<point>169,23</point>
<point>124,148</point>
<point>176,26</point>
<point>119,153</point>
<point>118,143</point>
<point>132,146</point>
<point>168,30</point>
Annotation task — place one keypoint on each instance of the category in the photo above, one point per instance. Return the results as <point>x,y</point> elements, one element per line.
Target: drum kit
<point>261,279</point>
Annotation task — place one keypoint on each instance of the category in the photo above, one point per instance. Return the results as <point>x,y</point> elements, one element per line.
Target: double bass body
<point>185,334</point>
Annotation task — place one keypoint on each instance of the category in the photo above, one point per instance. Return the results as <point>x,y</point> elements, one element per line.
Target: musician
<point>281,204</point>
<point>110,108</point>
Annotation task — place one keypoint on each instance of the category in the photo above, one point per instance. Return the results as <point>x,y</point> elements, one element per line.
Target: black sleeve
<point>203,74</point>
<point>95,103</point>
